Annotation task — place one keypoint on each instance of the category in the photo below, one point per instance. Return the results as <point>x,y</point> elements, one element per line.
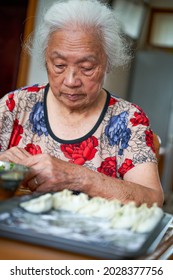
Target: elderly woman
<point>72,132</point>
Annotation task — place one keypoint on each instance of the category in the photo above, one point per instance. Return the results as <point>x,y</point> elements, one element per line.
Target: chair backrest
<point>157,144</point>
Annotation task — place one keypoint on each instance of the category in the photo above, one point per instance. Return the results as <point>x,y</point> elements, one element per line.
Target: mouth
<point>73,97</point>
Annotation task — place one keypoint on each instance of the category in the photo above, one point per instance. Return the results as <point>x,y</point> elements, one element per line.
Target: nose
<point>72,78</point>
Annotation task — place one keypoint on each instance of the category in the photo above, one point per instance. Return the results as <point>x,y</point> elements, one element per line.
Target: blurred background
<point>147,81</point>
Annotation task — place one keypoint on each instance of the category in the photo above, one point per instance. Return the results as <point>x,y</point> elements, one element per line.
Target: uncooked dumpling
<point>147,222</point>
<point>100,207</point>
<point>37,205</point>
<point>125,216</point>
<point>66,200</point>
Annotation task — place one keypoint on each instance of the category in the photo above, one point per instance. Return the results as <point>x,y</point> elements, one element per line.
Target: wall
<point>117,81</point>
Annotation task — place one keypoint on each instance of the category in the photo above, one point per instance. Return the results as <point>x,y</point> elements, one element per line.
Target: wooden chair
<point>160,155</point>
<point>157,144</point>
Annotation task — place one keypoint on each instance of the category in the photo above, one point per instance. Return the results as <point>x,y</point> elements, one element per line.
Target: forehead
<point>74,42</point>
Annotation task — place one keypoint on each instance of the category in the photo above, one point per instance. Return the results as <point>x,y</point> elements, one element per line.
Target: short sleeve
<point>7,118</point>
<point>137,146</point>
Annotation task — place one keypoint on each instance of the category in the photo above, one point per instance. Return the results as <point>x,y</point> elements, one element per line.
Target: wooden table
<point>19,250</point>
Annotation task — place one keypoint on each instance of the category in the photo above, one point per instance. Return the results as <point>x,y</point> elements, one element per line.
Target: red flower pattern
<point>81,152</point>
<point>10,102</point>
<point>149,139</point>
<point>126,166</point>
<point>16,134</point>
<point>112,101</point>
<point>34,88</point>
<point>108,167</point>
<point>33,149</point>
<point>139,118</point>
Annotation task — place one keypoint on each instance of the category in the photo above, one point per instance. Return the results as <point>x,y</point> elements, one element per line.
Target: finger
<point>31,161</point>
<point>36,182</point>
<point>15,155</point>
<point>33,184</point>
<point>25,153</point>
<point>20,155</point>
<point>40,160</point>
<point>46,186</point>
<point>10,158</point>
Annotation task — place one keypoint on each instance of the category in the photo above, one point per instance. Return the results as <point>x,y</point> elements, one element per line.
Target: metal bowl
<point>11,175</point>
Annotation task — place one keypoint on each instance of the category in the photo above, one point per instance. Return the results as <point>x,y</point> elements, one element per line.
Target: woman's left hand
<point>50,174</point>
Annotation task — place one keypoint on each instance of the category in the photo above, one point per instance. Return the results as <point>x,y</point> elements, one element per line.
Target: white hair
<point>91,14</point>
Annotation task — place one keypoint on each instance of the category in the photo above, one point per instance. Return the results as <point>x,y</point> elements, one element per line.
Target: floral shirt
<point>120,140</point>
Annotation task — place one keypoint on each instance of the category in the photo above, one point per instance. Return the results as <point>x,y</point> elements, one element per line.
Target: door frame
<point>24,57</point>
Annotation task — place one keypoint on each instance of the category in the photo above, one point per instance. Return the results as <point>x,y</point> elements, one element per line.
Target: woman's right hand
<point>14,154</point>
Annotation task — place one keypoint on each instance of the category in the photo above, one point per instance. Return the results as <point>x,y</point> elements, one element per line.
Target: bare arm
<point>15,155</point>
<point>141,184</point>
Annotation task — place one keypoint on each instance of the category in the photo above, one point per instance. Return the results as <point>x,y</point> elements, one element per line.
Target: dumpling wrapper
<point>138,219</point>
<point>38,205</point>
<point>125,216</point>
<point>100,208</point>
<point>149,220</point>
<point>89,208</point>
<point>66,200</point>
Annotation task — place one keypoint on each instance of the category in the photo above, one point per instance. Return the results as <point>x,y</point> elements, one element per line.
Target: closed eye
<point>87,70</point>
<point>60,66</point>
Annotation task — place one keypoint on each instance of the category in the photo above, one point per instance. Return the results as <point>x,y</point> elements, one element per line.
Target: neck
<point>72,124</point>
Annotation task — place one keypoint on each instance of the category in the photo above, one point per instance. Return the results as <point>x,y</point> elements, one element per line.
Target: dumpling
<point>139,219</point>
<point>149,220</point>
<point>90,207</point>
<point>99,207</point>
<point>66,200</point>
<point>37,205</point>
<point>125,216</point>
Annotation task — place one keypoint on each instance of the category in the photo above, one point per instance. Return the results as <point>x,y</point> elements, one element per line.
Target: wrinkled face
<point>76,66</point>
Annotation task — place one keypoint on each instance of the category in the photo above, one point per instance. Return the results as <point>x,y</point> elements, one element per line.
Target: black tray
<point>76,233</point>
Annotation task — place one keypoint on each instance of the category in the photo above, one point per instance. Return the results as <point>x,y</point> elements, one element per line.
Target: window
<point>161,29</point>
<point>131,14</point>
